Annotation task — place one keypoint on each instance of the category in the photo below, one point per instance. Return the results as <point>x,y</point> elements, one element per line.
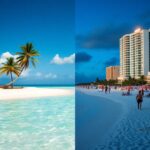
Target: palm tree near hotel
<point>142,80</point>
<point>10,67</point>
<point>25,58</point>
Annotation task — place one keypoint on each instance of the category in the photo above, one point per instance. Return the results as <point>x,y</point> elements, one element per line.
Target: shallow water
<point>41,124</point>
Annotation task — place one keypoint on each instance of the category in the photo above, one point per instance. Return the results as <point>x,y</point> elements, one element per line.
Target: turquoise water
<point>40,124</point>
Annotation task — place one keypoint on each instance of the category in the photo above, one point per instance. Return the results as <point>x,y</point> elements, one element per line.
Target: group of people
<point>105,88</point>
<point>139,96</point>
<point>126,93</point>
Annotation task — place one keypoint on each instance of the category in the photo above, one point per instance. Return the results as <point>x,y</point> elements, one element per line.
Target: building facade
<point>135,54</point>
<point>112,72</point>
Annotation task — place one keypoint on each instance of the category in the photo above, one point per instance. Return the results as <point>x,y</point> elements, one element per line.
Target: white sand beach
<point>32,92</point>
<point>111,121</point>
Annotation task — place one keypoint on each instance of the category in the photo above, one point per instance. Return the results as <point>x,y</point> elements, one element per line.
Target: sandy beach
<point>93,116</point>
<point>116,123</point>
<point>32,92</point>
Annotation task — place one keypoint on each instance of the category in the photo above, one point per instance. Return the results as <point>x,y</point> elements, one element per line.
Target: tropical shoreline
<point>33,92</point>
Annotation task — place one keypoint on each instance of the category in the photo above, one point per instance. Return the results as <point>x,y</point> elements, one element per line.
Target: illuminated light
<point>137,30</point>
<point>121,78</point>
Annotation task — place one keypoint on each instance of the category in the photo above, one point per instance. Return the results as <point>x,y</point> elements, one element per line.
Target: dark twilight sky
<point>99,25</point>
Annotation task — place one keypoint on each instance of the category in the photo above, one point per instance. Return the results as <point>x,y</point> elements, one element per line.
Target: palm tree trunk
<point>12,81</point>
<point>11,76</point>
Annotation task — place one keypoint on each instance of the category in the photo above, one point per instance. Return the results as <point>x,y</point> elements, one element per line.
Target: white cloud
<point>51,76</point>
<point>46,76</point>
<point>63,60</point>
<point>6,55</point>
<point>25,73</point>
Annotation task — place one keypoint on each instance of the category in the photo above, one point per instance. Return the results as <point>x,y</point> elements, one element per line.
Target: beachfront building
<point>135,54</point>
<point>112,72</point>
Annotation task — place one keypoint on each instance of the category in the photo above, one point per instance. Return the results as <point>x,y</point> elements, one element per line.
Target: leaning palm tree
<point>26,57</point>
<point>10,67</point>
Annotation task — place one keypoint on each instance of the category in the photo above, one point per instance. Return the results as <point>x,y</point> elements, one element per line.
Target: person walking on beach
<point>106,88</point>
<point>139,99</point>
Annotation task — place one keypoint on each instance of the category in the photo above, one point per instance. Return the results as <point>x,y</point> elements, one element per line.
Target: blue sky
<point>92,28</point>
<point>49,25</point>
<point>99,25</point>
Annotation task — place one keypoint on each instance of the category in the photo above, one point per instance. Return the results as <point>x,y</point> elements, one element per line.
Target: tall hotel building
<point>135,54</point>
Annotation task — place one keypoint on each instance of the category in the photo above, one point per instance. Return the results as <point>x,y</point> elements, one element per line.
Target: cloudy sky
<point>49,25</point>
<point>99,25</point>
